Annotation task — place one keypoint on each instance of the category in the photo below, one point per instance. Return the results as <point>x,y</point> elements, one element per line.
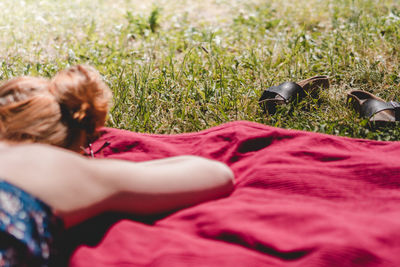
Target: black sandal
<point>373,107</point>
<point>288,91</point>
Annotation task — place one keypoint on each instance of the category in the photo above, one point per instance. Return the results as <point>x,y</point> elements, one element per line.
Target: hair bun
<point>83,97</point>
<point>82,112</point>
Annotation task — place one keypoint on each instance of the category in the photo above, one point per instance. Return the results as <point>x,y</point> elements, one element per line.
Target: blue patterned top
<point>28,228</point>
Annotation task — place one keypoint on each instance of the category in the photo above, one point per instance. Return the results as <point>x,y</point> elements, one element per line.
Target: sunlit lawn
<point>179,66</point>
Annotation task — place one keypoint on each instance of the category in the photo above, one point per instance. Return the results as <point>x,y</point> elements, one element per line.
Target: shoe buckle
<point>395,104</point>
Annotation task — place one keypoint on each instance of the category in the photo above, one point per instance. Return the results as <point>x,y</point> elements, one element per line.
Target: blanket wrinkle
<point>239,239</point>
<point>232,237</point>
<point>254,144</point>
<point>319,156</point>
<point>300,199</point>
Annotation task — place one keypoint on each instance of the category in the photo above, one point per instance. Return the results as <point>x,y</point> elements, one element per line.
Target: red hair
<point>65,111</point>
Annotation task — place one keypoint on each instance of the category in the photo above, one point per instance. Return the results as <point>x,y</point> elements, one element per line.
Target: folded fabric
<point>301,199</point>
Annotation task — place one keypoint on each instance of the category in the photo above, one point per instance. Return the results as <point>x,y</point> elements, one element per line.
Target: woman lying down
<point>45,189</point>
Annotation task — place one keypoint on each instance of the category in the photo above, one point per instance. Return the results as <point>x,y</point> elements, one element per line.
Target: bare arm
<point>78,188</point>
<point>167,184</point>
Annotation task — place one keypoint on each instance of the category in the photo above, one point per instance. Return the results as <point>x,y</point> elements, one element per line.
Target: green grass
<point>183,66</point>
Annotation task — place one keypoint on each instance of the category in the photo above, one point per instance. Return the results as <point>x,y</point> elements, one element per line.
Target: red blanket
<point>301,199</point>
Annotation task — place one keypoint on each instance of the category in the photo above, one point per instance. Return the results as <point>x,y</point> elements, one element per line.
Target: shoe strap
<point>372,106</point>
<point>286,90</point>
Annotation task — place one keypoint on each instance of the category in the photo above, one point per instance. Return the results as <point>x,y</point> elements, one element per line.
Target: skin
<point>78,188</point>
